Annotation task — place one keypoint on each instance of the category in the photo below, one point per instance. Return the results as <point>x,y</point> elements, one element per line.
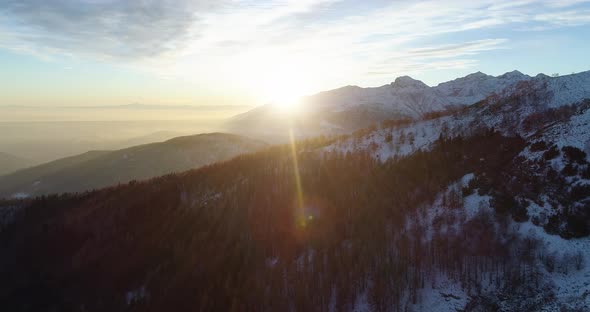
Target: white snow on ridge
<point>405,95</point>
<point>568,89</point>
<point>412,97</point>
<point>400,141</point>
<point>387,143</point>
<point>477,86</point>
<point>575,132</point>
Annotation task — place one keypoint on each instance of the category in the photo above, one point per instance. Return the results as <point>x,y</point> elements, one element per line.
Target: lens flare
<point>299,208</point>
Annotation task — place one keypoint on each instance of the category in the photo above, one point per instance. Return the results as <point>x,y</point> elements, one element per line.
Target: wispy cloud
<point>447,56</point>
<point>453,50</point>
<point>567,18</point>
<point>408,66</point>
<point>102,28</point>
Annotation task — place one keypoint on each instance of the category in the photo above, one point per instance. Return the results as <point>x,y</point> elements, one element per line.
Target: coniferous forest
<point>290,229</point>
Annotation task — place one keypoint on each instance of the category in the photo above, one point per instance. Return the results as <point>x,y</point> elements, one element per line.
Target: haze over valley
<point>43,134</point>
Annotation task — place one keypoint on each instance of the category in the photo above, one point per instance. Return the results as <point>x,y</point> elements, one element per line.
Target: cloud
<point>447,56</point>
<point>102,28</point>
<point>150,28</point>
<point>454,50</point>
<point>567,18</point>
<point>409,66</point>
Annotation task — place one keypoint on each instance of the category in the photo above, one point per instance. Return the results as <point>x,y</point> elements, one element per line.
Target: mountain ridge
<point>349,108</point>
<point>95,169</point>
<point>10,163</point>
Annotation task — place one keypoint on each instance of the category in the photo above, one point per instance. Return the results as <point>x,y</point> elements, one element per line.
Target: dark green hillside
<point>104,168</point>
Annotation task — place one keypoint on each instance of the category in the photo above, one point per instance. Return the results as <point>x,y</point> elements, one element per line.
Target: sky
<point>242,52</point>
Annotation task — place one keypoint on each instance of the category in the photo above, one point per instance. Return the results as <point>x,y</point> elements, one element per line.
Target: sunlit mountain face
<point>309,155</point>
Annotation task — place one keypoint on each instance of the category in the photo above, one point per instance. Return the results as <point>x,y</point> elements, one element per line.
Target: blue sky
<point>108,52</point>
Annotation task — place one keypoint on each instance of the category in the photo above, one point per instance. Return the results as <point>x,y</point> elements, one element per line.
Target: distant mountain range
<point>139,106</point>
<point>98,169</point>
<point>350,108</point>
<point>10,163</point>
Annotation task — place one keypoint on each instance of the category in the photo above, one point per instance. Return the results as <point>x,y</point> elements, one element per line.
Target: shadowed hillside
<point>350,230</point>
<point>103,168</point>
<point>10,163</point>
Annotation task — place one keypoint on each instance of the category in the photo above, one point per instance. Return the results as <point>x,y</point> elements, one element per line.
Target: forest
<point>288,229</point>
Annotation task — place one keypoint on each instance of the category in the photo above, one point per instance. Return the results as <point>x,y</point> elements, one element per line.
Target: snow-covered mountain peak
<point>566,89</point>
<point>477,86</point>
<point>514,75</point>
<point>476,76</point>
<point>461,81</point>
<point>548,92</point>
<point>407,82</point>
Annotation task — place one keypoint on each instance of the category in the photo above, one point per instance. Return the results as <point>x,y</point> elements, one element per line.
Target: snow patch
<point>20,195</point>
<point>136,295</point>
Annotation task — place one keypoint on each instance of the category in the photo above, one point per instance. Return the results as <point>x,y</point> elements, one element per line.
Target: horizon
<point>172,106</point>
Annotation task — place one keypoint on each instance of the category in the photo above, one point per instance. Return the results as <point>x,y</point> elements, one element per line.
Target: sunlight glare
<point>275,80</point>
<point>283,88</point>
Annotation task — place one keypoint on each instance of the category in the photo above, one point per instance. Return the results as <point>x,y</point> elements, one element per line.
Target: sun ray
<point>299,190</point>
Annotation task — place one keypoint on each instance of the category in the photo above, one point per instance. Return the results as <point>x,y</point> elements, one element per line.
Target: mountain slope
<point>10,163</point>
<point>477,86</point>
<point>232,234</point>
<point>104,168</point>
<point>527,108</point>
<point>349,234</point>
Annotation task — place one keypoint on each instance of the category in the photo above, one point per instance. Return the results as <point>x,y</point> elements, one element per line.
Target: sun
<point>284,93</point>
<point>274,79</point>
<point>277,79</point>
<point>283,88</point>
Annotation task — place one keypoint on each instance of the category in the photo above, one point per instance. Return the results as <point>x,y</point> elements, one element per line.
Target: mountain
<point>158,136</point>
<point>544,188</point>
<point>139,106</point>
<point>413,98</point>
<point>104,168</point>
<point>179,107</point>
<point>517,110</point>
<point>10,163</point>
<point>480,208</point>
<point>477,86</point>
<point>350,108</point>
